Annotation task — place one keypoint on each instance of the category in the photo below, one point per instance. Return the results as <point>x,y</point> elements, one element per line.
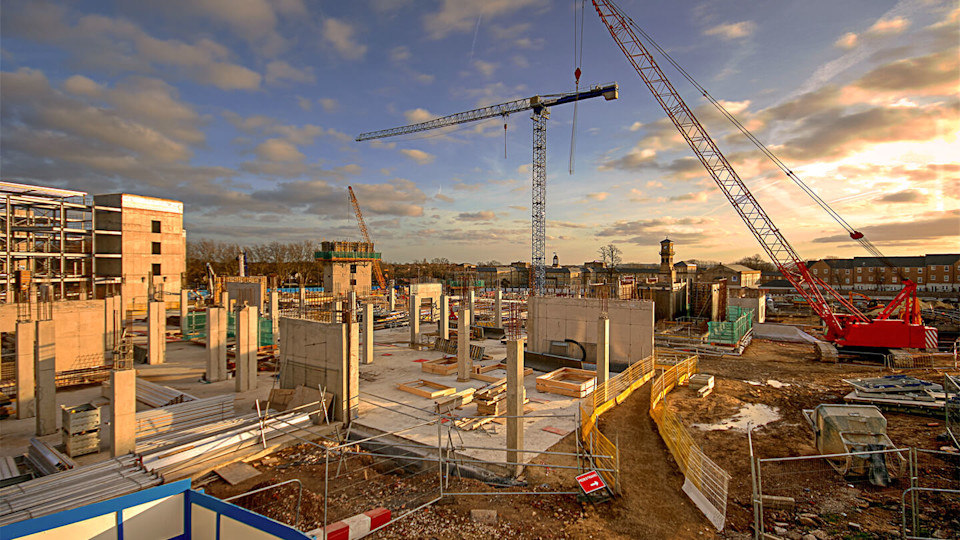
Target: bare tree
<point>610,255</point>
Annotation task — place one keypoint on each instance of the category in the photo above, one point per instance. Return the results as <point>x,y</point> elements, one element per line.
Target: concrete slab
<point>385,408</point>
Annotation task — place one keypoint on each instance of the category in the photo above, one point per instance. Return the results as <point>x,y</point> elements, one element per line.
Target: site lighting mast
<point>539,105</point>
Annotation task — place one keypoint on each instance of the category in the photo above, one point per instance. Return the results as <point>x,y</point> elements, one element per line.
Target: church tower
<point>668,273</point>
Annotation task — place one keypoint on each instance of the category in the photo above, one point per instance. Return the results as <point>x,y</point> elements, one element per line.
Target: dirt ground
<point>785,377</point>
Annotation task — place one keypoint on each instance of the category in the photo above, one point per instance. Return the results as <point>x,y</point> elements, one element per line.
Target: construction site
<point>495,401</point>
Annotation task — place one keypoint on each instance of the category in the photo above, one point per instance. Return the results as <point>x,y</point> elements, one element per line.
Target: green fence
<point>196,327</point>
<point>739,322</point>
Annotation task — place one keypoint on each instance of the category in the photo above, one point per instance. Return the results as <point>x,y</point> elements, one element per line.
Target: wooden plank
<point>441,366</point>
<point>416,388</point>
<point>455,401</point>
<point>487,378</point>
<point>235,473</point>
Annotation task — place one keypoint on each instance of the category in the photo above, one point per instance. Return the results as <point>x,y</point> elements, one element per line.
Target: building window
<point>859,270</point>
<point>933,278</point>
<point>846,271</point>
<point>871,279</point>
<point>815,272</point>
<point>846,280</point>
<point>859,279</point>
<point>919,280</point>
<point>156,269</point>
<point>920,270</point>
<point>155,248</point>
<point>353,269</point>
<point>155,225</point>
<point>946,268</point>
<point>353,282</point>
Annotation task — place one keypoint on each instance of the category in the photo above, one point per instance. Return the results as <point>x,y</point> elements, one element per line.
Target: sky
<point>247,111</point>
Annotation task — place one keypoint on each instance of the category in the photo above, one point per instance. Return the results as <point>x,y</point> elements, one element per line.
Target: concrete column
<point>603,352</point>
<point>225,299</point>
<point>498,309</point>
<point>26,381</point>
<point>414,317</point>
<point>184,308</point>
<point>156,332</point>
<point>45,373</point>
<point>368,333</point>
<point>302,300</point>
<point>337,312</point>
<point>353,371</point>
<point>352,304</point>
<point>216,344</point>
<point>444,316</point>
<point>515,395</point>
<point>275,314</point>
<point>464,362</point>
<point>123,412</point>
<point>393,299</point>
<point>246,357</point>
<point>473,307</point>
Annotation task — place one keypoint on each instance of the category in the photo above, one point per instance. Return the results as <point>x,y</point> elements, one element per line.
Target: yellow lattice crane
<point>377,271</point>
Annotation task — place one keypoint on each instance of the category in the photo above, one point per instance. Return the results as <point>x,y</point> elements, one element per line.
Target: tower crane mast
<point>377,270</point>
<point>539,106</point>
<point>845,329</point>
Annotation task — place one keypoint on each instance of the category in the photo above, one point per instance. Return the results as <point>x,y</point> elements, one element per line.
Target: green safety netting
<point>739,322</point>
<point>196,327</point>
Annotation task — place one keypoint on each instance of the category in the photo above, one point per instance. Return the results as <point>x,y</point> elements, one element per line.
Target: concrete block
<point>498,308</point>
<point>26,381</point>
<point>123,412</point>
<point>216,344</point>
<point>481,515</point>
<point>352,372</point>
<point>247,346</point>
<point>45,355</point>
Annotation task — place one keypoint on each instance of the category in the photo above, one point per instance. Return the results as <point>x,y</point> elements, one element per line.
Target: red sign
<point>590,482</point>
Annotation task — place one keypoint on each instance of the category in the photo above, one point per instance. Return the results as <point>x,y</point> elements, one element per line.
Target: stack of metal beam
<point>46,459</point>
<point>185,415</point>
<point>225,442</point>
<point>74,488</point>
<point>155,395</point>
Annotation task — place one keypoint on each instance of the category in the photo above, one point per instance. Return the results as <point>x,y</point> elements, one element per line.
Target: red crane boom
<point>377,270</point>
<point>845,329</point>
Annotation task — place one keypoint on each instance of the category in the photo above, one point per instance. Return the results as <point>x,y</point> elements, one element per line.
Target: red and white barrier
<point>353,527</point>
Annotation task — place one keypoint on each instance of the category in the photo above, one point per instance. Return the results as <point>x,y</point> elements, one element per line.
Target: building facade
<point>931,273</point>
<point>737,275</point>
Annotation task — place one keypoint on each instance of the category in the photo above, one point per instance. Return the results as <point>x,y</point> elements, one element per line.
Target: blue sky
<point>247,109</point>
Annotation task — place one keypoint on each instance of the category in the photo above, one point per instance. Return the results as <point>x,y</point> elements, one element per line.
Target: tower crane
<point>852,329</point>
<point>377,270</point>
<point>539,106</point>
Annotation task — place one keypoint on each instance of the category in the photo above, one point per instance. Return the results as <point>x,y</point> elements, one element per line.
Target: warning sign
<point>590,482</point>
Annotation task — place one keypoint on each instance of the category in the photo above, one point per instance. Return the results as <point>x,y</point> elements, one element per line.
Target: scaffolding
<point>49,236</point>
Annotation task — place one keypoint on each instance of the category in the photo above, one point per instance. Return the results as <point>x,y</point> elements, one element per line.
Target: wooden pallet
<point>417,388</point>
<point>567,381</point>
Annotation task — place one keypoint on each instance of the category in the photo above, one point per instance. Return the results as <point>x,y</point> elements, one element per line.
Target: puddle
<point>777,384</point>
<point>751,413</point>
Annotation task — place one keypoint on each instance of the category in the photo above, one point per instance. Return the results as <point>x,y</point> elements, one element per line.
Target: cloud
<point>82,86</point>
<point>635,126</point>
<point>736,30</point>
<point>329,104</point>
<point>461,15</point>
<point>278,150</point>
<point>112,45</point>
<point>304,103</point>
<point>486,68</point>
<point>460,185</point>
<point>645,232</point>
<point>421,157</point>
<point>700,196</point>
<point>888,27</point>
<point>905,196</point>
<point>340,35</point>
<point>519,208</point>
<point>483,215</point>
<point>279,71</point>
<point>417,116</point>
<point>254,21</point>
<point>599,196</point>
<point>936,71</point>
<point>847,41</point>
<point>444,198</point>
<point>917,232</point>
<point>400,53</point>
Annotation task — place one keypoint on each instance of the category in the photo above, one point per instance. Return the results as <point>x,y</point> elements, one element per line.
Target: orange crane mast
<point>377,270</point>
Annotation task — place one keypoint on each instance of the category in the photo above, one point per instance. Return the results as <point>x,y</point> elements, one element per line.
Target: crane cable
<point>577,59</point>
<point>854,234</point>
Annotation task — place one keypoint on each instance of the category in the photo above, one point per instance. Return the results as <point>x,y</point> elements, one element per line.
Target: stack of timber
<point>45,459</point>
<point>181,416</point>
<point>901,393</point>
<point>71,489</point>
<point>11,472</point>
<point>155,395</point>
<point>440,366</point>
<point>702,383</point>
<point>569,382</point>
<point>492,400</point>
<point>454,401</point>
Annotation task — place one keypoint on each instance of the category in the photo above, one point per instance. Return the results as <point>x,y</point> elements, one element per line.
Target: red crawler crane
<point>853,329</point>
